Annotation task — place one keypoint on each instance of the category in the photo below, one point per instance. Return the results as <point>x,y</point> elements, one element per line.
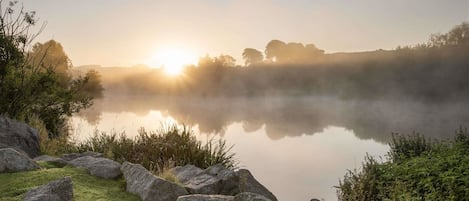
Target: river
<point>298,147</point>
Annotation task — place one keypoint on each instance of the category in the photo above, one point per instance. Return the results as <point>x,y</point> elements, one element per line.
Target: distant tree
<point>51,55</point>
<point>459,35</point>
<point>252,56</point>
<point>225,60</point>
<point>281,52</point>
<point>92,87</point>
<point>275,50</point>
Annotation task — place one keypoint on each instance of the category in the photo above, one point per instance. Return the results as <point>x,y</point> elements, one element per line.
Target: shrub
<point>160,150</point>
<point>417,169</point>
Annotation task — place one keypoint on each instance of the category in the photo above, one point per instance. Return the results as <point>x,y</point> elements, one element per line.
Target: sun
<point>172,59</point>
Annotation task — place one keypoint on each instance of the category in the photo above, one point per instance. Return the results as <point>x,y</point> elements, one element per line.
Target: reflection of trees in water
<point>295,116</point>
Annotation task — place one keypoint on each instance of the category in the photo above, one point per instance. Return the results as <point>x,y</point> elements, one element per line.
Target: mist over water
<point>298,146</point>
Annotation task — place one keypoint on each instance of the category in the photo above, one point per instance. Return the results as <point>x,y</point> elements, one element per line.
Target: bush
<point>416,170</point>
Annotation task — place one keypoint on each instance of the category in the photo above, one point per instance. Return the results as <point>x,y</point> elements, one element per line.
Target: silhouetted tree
<point>275,50</point>
<point>252,56</point>
<point>225,60</point>
<point>281,52</point>
<point>459,35</point>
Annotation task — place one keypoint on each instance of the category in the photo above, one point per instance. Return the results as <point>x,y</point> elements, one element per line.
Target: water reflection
<point>294,116</point>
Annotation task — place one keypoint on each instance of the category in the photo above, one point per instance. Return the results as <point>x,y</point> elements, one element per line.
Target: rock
<point>59,190</point>
<point>19,136</point>
<point>52,160</point>
<point>13,161</point>
<point>185,173</point>
<point>248,196</point>
<point>70,157</point>
<point>247,183</point>
<point>213,180</point>
<point>100,167</point>
<point>200,197</point>
<point>148,186</point>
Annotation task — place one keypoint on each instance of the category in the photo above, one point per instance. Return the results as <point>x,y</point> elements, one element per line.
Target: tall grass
<point>417,169</point>
<point>161,149</point>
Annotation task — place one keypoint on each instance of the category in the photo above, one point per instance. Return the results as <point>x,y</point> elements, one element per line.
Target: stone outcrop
<point>19,136</point>
<point>213,180</point>
<point>59,190</point>
<point>184,173</point>
<point>13,161</point>
<point>201,197</point>
<point>220,180</point>
<point>52,160</point>
<point>100,167</point>
<point>148,186</point>
<point>247,183</point>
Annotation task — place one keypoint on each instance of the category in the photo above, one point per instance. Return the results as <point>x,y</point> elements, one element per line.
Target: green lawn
<point>86,187</point>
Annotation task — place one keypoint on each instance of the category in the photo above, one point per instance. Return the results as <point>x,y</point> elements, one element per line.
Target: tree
<point>51,55</point>
<point>275,50</point>
<point>459,35</point>
<point>31,89</point>
<point>92,87</point>
<point>252,56</point>
<point>225,60</point>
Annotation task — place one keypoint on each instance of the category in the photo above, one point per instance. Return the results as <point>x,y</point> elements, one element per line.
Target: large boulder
<point>73,156</point>
<point>59,190</point>
<point>148,186</point>
<point>185,173</point>
<point>201,197</point>
<point>100,167</point>
<point>247,183</point>
<point>213,180</point>
<point>52,160</point>
<point>19,136</point>
<point>13,161</point>
<point>248,196</point>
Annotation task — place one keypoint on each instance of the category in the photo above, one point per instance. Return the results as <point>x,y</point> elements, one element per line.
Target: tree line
<point>430,71</point>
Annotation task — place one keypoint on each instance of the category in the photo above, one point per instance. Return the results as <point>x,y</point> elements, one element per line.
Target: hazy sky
<point>128,32</point>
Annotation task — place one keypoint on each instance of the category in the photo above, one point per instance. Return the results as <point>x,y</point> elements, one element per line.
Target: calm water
<point>298,147</point>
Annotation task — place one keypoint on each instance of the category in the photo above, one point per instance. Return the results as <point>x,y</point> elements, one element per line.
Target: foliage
<point>161,150</point>
<point>252,56</point>
<point>416,170</point>
<point>36,82</point>
<point>85,186</point>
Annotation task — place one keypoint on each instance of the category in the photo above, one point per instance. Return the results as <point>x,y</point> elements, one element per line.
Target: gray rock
<point>248,196</point>
<point>14,161</point>
<point>70,157</point>
<point>59,190</point>
<point>185,173</point>
<point>19,136</point>
<point>100,167</point>
<point>53,160</point>
<point>148,186</point>
<point>213,180</point>
<point>247,183</point>
<point>200,197</point>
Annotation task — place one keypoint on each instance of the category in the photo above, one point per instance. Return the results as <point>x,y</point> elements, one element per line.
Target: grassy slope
<point>13,186</point>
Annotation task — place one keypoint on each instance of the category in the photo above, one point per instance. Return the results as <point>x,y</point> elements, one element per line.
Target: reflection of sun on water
<point>172,60</point>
